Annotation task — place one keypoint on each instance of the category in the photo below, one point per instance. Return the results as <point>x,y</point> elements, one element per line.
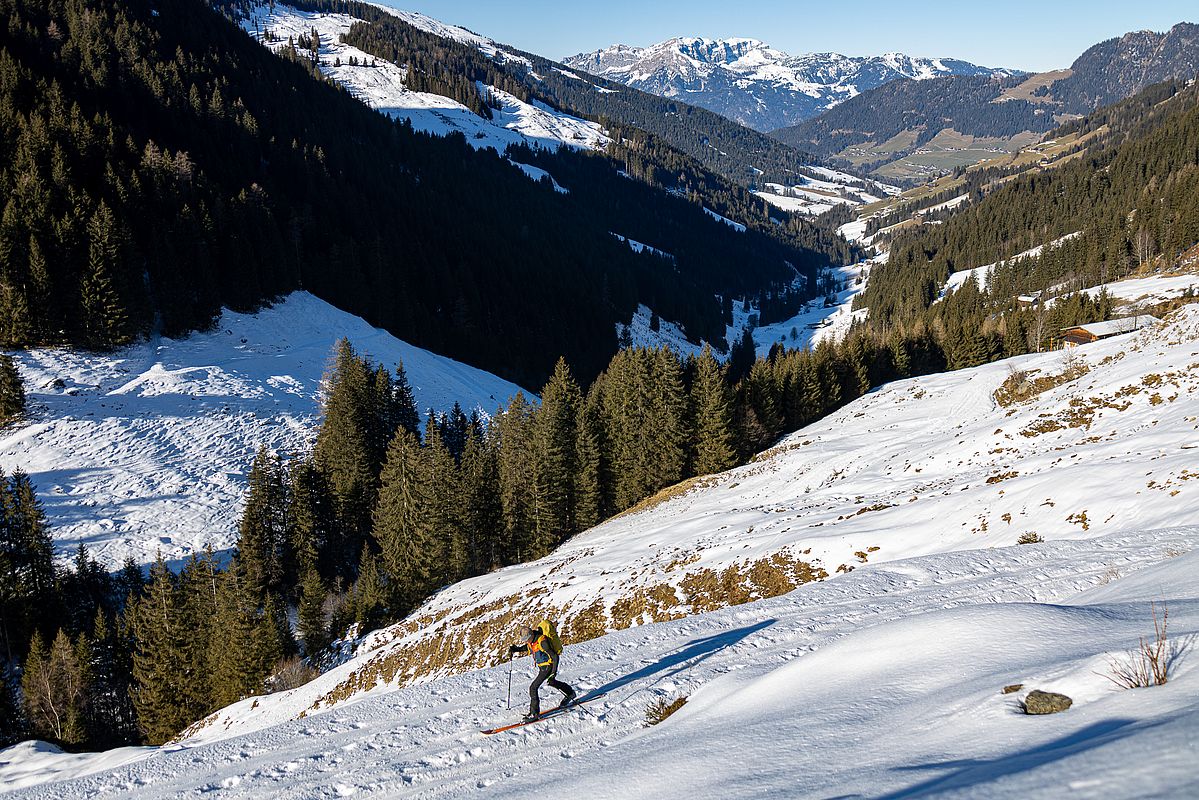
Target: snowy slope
<point>923,466</point>
<point>752,83</point>
<point>147,449</point>
<point>883,683</point>
<point>382,86</point>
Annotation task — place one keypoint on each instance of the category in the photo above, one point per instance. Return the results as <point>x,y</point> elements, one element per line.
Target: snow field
<point>147,449</point>
<point>884,682</point>
<point>918,467</point>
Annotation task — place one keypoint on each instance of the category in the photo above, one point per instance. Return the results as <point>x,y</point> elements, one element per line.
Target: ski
<point>553,712</point>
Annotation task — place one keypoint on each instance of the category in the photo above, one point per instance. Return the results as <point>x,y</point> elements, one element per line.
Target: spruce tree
<point>406,414</point>
<point>310,537</point>
<point>402,525</point>
<point>158,660</point>
<point>370,592</point>
<point>482,515</point>
<point>105,322</point>
<point>554,442</point>
<point>263,544</point>
<point>111,720</point>
<point>712,403</point>
<point>12,390</point>
<point>342,451</point>
<point>590,503</point>
<point>444,510</point>
<point>513,452</point>
<point>234,665</point>
<point>313,628</point>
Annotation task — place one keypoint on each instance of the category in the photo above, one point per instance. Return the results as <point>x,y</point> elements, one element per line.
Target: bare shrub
<point>1151,663</point>
<point>291,673</point>
<point>663,708</point>
<point>1030,537</point>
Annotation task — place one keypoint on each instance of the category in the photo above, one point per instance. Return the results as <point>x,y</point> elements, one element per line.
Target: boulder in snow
<point>1039,702</point>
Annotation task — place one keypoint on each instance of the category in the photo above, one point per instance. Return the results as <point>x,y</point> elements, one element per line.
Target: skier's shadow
<point>682,659</point>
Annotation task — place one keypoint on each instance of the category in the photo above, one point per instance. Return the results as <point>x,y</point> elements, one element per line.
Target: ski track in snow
<point>147,449</point>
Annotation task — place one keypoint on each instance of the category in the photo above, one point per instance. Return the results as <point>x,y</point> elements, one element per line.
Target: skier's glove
<point>513,649</point>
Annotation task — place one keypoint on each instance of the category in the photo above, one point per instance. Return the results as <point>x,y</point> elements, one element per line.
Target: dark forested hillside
<point>1129,198</point>
<point>983,107</point>
<point>156,164</point>
<point>738,153</point>
<point>961,102</point>
<point>1120,67</point>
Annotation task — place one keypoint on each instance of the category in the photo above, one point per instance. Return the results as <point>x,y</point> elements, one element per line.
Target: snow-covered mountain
<point>885,678</point>
<point>147,449</point>
<point>752,83</point>
<point>381,84</point>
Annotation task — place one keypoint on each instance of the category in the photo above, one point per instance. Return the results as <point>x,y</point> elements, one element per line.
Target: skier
<point>545,652</point>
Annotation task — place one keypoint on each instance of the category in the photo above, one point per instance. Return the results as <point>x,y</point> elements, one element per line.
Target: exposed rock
<point>1039,702</point>
<point>1015,687</point>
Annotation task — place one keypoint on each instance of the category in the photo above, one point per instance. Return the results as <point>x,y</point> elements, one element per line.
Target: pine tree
<point>554,441</point>
<point>263,544</point>
<point>443,510</point>
<point>158,659</point>
<point>712,403</point>
<point>402,525</point>
<point>105,322</point>
<point>313,628</point>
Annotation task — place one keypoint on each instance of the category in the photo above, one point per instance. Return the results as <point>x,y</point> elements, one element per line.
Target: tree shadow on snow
<point>682,659</point>
<point>970,772</point>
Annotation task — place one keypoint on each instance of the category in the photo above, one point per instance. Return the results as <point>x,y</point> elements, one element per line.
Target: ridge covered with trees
<point>158,164</point>
<point>1130,197</point>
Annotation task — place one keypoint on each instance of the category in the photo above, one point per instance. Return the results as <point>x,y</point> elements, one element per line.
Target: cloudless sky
<point>1033,35</point>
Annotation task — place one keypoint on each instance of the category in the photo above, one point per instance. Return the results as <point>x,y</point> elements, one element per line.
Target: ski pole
<point>509,682</point>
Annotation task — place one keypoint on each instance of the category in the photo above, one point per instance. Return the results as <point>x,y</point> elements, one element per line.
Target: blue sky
<point>1026,35</point>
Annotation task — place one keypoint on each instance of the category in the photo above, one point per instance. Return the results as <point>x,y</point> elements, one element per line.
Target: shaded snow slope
<point>382,86</point>
<point>148,448</point>
<point>922,466</point>
<point>883,683</point>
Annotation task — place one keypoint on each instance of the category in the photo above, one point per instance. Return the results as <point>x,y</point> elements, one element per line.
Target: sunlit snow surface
<point>382,86</point>
<point>147,449</point>
<point>884,682</point>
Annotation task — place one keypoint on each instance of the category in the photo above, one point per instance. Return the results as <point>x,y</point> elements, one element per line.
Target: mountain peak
<point>750,82</point>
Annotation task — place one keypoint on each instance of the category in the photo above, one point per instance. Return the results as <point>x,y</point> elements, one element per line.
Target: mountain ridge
<point>755,84</point>
<point>895,123</point>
